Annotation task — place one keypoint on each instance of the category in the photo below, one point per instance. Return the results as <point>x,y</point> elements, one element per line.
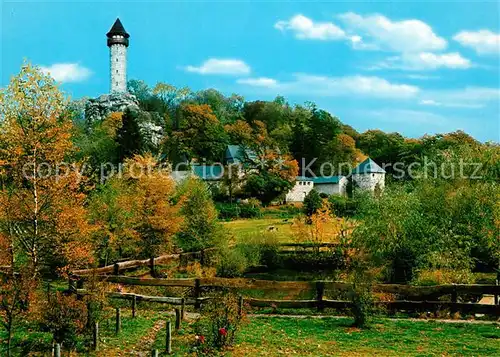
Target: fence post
<point>57,351</point>
<point>134,306</point>
<point>79,283</point>
<point>95,337</point>
<point>240,306</point>
<point>118,325</point>
<point>197,293</point>
<point>183,308</point>
<point>454,300</point>
<point>497,282</point>
<point>177,319</point>
<point>320,291</point>
<point>152,269</point>
<point>116,269</point>
<point>71,284</point>
<point>168,347</point>
<point>154,353</point>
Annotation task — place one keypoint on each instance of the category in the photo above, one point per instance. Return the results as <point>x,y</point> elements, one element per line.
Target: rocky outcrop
<point>99,108</point>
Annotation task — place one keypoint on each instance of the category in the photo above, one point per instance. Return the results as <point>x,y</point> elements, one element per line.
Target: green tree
<point>312,203</point>
<point>201,228</point>
<point>200,134</point>
<point>128,137</point>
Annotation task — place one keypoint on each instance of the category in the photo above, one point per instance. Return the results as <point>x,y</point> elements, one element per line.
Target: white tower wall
<point>118,67</point>
<point>368,181</point>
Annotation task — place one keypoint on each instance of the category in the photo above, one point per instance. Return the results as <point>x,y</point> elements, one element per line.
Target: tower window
<point>116,71</point>
<point>117,60</point>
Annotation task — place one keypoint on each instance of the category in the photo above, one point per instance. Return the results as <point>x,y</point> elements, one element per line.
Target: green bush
<point>343,206</point>
<point>312,203</point>
<point>228,211</point>
<point>261,249</point>
<point>232,263</point>
<point>218,325</point>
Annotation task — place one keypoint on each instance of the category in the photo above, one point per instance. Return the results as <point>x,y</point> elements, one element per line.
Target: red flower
<point>202,339</point>
<point>222,331</point>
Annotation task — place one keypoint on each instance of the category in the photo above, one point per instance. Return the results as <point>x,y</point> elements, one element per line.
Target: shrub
<point>228,211</point>
<point>232,263</point>
<point>249,211</point>
<point>343,206</point>
<point>65,317</point>
<point>312,203</point>
<point>361,298</point>
<point>429,277</point>
<point>261,249</point>
<point>218,325</point>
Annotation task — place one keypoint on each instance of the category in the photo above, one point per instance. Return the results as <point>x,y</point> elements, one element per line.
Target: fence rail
<point>237,283</point>
<point>415,298</point>
<point>398,305</point>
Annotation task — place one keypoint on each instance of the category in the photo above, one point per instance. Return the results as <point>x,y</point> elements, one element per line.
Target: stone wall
<point>118,68</point>
<point>369,181</point>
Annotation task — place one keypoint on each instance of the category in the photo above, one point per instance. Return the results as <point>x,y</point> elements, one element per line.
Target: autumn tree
<point>46,213</point>
<point>200,134</point>
<point>137,213</point>
<point>271,177</point>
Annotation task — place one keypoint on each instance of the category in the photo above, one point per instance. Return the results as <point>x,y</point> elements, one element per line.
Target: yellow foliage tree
<point>42,204</point>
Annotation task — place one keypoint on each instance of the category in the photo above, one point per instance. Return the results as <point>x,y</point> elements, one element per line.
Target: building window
<point>117,60</point>
<point>116,71</point>
<point>373,175</point>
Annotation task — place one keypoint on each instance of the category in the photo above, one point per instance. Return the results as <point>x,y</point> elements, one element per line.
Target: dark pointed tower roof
<point>117,29</point>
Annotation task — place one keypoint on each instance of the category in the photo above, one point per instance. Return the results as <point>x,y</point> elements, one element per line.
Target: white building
<point>369,176</point>
<point>303,185</point>
<point>366,176</point>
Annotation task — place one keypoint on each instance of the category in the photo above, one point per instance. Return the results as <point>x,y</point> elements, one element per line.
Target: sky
<point>417,68</point>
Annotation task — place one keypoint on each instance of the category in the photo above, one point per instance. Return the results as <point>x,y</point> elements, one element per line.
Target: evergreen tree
<point>129,137</point>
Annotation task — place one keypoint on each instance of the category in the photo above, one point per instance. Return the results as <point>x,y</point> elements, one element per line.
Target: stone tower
<point>369,176</point>
<point>118,43</point>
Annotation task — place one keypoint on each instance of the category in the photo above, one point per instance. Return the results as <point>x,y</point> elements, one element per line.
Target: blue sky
<point>412,67</point>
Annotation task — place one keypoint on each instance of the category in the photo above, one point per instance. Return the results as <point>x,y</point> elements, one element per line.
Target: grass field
<point>279,336</point>
<point>243,229</point>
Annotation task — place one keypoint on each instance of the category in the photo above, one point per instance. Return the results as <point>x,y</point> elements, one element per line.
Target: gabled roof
<point>118,29</point>
<point>367,167</point>
<point>208,172</point>
<point>237,154</point>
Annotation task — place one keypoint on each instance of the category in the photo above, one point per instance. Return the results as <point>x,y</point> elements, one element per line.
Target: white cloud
<point>305,28</point>
<point>469,97</point>
<point>429,102</point>
<point>258,82</point>
<point>399,36</point>
<point>482,41</point>
<point>220,66</point>
<point>428,61</point>
<point>422,76</point>
<point>67,72</point>
<point>368,86</point>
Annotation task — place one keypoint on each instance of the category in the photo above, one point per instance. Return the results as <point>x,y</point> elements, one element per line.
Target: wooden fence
<point>415,298</point>
<point>183,258</point>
